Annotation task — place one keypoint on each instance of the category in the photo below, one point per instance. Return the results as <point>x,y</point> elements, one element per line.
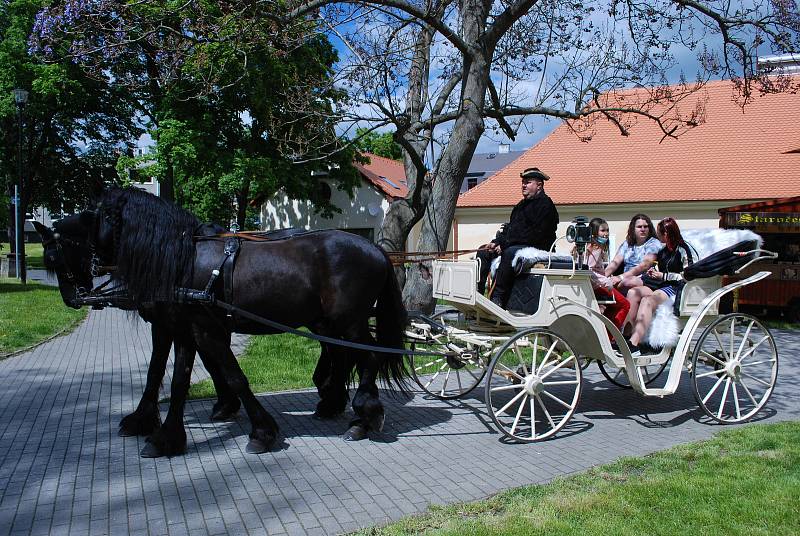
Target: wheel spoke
<point>758,363</point>
<point>762,382</point>
<point>711,373</point>
<point>721,346</point>
<point>507,387</point>
<point>547,355</point>
<point>711,392</point>
<point>446,378</point>
<point>533,358</point>
<point>533,417</point>
<point>552,370</point>
<point>713,357</point>
<point>562,382</point>
<point>522,362</point>
<point>557,399</point>
<point>428,364</point>
<point>724,397</point>
<point>744,339</point>
<point>547,413</point>
<point>512,372</point>
<point>753,349</point>
<point>733,336</point>
<point>519,414</point>
<point>736,402</point>
<point>458,379</point>
<point>749,394</point>
<point>511,402</point>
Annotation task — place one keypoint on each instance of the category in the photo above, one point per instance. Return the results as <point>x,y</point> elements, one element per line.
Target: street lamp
<point>21,99</point>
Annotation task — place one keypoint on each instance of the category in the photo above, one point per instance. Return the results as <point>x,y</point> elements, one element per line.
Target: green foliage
<point>382,144</point>
<point>72,123</point>
<point>744,481</point>
<point>272,363</point>
<point>32,313</point>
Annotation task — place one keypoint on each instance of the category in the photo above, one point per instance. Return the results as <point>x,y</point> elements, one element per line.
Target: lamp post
<point>21,99</point>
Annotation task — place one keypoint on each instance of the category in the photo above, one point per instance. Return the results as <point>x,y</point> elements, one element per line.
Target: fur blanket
<point>664,330</point>
<point>527,257</point>
<point>708,241</point>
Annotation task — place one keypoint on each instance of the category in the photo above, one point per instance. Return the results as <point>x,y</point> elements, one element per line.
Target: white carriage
<point>533,362</point>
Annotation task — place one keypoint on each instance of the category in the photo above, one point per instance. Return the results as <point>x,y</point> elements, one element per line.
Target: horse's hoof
<point>150,451</point>
<point>356,432</point>
<point>224,415</point>
<point>260,442</point>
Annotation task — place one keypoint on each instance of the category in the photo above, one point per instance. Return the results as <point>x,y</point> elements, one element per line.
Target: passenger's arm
<point>614,264</point>
<point>646,264</point>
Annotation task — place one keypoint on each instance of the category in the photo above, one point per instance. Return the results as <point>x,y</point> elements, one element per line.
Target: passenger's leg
<point>634,296</point>
<point>644,317</point>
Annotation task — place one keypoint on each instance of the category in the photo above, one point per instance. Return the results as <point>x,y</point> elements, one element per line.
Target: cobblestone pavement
<point>64,470</point>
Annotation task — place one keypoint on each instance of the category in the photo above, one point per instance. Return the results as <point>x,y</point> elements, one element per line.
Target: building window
<point>472,182</point>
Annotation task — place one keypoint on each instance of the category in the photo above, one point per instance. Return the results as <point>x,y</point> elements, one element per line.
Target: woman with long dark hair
<point>673,258</point>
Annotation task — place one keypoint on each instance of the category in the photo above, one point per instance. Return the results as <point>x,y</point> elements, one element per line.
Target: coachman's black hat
<point>533,173</point>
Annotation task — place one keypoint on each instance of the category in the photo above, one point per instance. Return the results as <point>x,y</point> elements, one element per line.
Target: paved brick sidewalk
<point>63,470</point>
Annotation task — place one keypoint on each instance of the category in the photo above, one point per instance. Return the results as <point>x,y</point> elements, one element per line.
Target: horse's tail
<point>390,324</point>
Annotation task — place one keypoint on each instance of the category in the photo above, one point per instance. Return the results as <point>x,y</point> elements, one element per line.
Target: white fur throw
<point>708,241</point>
<point>530,256</point>
<point>664,330</point>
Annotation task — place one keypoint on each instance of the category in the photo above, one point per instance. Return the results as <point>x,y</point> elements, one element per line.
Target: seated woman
<point>603,286</point>
<point>637,254</point>
<point>672,260</point>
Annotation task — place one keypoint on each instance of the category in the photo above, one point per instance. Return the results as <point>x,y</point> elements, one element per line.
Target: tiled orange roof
<point>734,154</point>
<point>386,174</point>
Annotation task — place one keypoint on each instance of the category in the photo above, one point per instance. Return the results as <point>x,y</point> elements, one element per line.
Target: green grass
<point>272,363</point>
<point>744,481</point>
<point>31,313</point>
<point>34,253</point>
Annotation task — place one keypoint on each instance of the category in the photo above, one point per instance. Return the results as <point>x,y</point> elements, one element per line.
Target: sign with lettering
<point>787,220</point>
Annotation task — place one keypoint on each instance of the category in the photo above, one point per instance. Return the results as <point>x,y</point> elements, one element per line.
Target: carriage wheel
<point>456,374</point>
<point>619,376</point>
<point>734,368</point>
<point>533,386</point>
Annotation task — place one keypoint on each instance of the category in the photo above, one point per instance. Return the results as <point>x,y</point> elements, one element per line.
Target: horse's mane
<point>155,247</point>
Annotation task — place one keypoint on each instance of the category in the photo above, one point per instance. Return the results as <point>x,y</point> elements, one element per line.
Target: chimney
<point>786,64</point>
<point>504,148</point>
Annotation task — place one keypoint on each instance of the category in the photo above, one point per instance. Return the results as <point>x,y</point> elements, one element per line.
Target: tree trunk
<point>242,198</point>
<point>166,189</point>
<point>453,165</point>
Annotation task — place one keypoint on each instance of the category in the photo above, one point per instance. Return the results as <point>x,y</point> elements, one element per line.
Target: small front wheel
<point>533,385</point>
<point>461,367</point>
<point>734,368</point>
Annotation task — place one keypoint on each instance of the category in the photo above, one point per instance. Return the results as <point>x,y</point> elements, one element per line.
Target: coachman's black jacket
<point>533,223</point>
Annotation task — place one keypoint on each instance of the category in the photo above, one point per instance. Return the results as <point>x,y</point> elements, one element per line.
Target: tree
<point>73,124</point>
<point>216,81</point>
<point>444,72</point>
<point>380,144</point>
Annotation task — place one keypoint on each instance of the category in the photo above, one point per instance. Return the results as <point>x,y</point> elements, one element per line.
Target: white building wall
<point>477,226</point>
<point>365,210</point>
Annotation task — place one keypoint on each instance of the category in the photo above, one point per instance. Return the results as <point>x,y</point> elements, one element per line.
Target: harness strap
<point>321,338</point>
<point>232,245</point>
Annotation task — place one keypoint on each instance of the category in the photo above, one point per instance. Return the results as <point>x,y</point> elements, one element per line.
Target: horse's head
<point>67,254</point>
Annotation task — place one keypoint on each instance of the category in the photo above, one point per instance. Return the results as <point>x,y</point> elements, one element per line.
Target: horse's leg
<point>330,377</point>
<point>146,418</point>
<point>227,404</point>
<point>366,404</point>
<point>264,428</point>
<point>170,439</point>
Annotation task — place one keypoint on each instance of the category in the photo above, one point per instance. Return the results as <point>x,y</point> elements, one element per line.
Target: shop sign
<point>763,219</point>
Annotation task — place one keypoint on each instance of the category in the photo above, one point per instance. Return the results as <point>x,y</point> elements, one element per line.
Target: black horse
<point>67,255</point>
<point>327,281</point>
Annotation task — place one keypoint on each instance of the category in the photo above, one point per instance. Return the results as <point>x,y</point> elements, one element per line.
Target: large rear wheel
<point>460,370</point>
<point>533,386</point>
<point>734,368</point>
